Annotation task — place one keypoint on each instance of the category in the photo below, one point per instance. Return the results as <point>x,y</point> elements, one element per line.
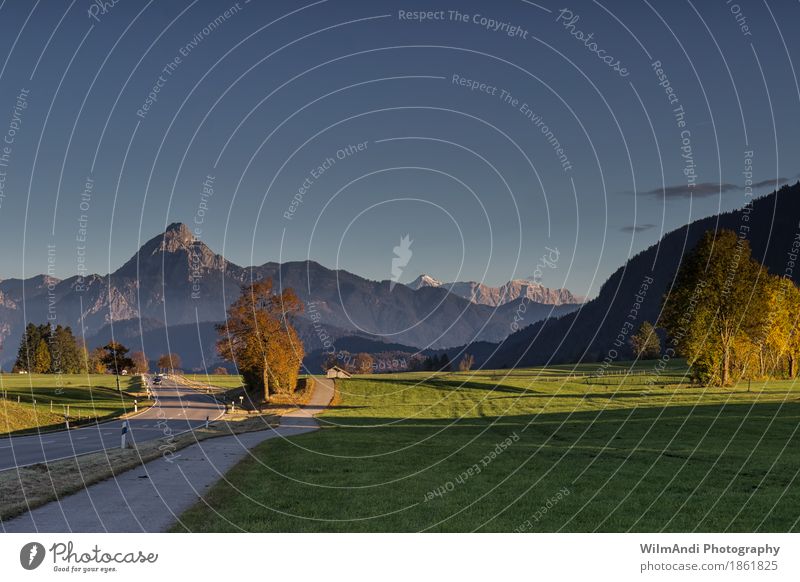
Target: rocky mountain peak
<point>177,236</point>
<point>424,281</point>
<point>494,296</point>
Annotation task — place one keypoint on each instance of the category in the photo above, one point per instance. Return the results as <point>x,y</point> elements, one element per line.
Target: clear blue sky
<point>262,95</point>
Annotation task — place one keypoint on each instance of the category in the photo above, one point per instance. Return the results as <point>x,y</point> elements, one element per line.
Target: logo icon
<point>31,555</point>
<point>402,255</point>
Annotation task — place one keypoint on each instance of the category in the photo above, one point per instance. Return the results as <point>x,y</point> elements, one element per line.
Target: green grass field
<point>414,452</point>
<point>88,397</point>
<point>218,380</point>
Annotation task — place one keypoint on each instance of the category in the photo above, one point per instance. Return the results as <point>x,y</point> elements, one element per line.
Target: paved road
<point>152,497</point>
<point>177,409</point>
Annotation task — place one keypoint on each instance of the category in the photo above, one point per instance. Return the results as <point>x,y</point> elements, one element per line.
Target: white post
<point>124,437</point>
<point>136,405</point>
<point>206,421</point>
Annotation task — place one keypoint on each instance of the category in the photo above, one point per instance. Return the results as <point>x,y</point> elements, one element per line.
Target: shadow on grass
<point>718,414</point>
<point>444,384</point>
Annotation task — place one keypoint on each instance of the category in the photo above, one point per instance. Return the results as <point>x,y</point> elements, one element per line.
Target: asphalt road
<point>152,497</point>
<point>177,409</point>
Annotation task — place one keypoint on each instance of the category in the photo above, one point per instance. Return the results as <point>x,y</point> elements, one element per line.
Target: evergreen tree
<point>115,358</point>
<point>65,354</point>
<point>27,348</point>
<point>41,359</point>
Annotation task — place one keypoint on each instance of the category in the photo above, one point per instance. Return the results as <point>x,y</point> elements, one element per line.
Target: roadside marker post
<point>206,421</point>
<point>124,436</point>
<point>135,405</point>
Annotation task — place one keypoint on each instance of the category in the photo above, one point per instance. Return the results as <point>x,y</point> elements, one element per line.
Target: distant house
<point>337,372</point>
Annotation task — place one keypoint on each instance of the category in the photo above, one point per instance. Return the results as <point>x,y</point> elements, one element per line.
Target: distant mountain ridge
<point>494,296</point>
<point>175,281</point>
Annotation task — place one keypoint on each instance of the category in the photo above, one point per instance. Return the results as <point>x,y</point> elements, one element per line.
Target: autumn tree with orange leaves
<point>259,337</point>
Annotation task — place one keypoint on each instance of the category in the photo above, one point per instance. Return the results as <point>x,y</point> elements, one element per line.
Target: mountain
<point>494,296</point>
<point>771,225</point>
<point>424,281</point>
<point>175,288</point>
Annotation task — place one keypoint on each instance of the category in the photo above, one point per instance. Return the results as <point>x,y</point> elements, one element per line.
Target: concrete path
<point>150,498</point>
<point>176,409</point>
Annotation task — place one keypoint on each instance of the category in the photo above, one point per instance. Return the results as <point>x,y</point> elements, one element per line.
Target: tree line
<point>729,316</point>
<point>54,349</point>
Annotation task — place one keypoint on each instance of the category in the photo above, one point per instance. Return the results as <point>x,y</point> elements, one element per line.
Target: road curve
<point>177,409</point>
<point>152,497</point>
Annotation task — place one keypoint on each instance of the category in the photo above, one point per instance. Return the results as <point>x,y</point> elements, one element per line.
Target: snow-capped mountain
<point>494,296</point>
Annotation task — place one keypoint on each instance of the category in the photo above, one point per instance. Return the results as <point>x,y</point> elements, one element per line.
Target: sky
<point>490,134</point>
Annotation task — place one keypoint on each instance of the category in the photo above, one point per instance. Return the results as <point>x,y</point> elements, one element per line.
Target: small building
<point>337,372</point>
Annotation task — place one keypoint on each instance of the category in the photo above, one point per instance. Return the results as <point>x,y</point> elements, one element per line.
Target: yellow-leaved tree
<point>258,336</point>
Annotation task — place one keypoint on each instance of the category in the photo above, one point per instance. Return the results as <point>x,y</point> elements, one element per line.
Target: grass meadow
<point>217,380</point>
<point>25,399</point>
<point>526,450</point>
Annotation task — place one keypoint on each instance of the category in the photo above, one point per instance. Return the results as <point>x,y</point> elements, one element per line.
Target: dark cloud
<point>707,189</point>
<point>701,190</point>
<point>773,183</point>
<point>637,227</point>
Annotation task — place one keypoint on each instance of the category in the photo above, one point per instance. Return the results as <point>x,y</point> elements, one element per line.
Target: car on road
<point>157,381</point>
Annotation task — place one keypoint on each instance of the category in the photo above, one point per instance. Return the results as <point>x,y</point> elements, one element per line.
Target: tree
<point>140,363</point>
<point>718,294</point>
<point>258,336</point>
<point>329,362</point>
<point>220,371</point>
<point>27,347</point>
<point>94,361</point>
<point>41,358</point>
<point>169,362</point>
<point>362,363</point>
<point>65,353</point>
<point>115,358</point>
<point>793,342</point>
<point>444,364</point>
<point>466,363</point>
<point>646,343</point>
<point>285,354</point>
